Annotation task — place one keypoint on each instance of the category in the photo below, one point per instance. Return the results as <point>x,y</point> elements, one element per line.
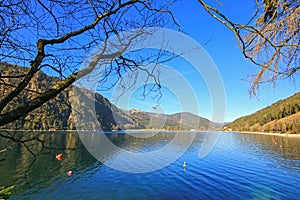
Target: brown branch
<point>41,53</point>
<point>37,63</point>
<point>34,66</point>
<point>88,27</point>
<point>36,102</point>
<point>13,76</point>
<point>274,38</point>
<point>29,106</point>
<point>52,15</point>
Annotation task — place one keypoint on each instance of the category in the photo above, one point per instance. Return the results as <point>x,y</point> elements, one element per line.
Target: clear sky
<point>233,67</point>
<point>224,51</point>
<point>221,45</point>
<point>226,54</point>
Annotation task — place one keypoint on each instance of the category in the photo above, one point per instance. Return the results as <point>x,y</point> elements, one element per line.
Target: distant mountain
<point>282,116</point>
<point>178,121</point>
<point>57,114</point>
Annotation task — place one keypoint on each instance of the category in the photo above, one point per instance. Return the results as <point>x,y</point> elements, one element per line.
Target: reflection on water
<point>34,163</point>
<point>241,166</point>
<point>137,152</point>
<point>287,147</point>
<point>281,150</point>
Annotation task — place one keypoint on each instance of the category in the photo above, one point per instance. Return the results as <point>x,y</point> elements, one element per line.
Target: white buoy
<point>184,164</point>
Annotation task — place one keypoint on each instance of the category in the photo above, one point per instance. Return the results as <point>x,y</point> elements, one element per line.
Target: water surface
<point>240,166</point>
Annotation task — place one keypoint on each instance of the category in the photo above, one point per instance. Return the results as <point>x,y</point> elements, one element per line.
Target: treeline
<point>282,116</point>
<point>57,113</point>
<point>174,122</point>
<point>50,116</point>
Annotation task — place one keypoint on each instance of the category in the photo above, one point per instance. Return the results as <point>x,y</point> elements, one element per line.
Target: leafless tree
<point>270,39</point>
<point>56,36</point>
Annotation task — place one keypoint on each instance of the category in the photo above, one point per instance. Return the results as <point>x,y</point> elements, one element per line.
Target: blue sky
<point>226,54</point>
<point>233,67</point>
<point>224,51</point>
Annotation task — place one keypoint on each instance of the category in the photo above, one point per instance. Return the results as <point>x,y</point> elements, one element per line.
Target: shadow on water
<point>240,166</point>
<point>32,165</point>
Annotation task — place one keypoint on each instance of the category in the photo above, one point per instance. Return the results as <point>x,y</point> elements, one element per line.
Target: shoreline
<point>271,134</point>
<point>138,130</point>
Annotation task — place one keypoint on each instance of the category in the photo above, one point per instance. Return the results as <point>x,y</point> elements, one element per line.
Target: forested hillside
<point>177,121</point>
<point>282,116</point>
<point>56,114</point>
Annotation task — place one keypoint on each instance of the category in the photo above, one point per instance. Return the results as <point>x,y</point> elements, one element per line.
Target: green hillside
<point>282,116</point>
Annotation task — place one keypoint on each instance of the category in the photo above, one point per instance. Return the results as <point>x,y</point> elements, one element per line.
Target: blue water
<point>240,166</point>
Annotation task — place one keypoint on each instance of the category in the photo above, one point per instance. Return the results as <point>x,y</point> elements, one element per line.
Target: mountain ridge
<point>57,113</point>
<point>177,121</point>
<point>282,116</point>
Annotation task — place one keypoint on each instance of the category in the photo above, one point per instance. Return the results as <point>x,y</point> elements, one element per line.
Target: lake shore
<point>275,134</point>
<point>296,135</point>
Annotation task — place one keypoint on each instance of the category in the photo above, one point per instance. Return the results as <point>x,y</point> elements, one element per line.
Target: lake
<point>240,166</point>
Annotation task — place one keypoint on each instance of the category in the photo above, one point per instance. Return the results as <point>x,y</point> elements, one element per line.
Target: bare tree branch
<point>80,28</point>
<point>270,39</point>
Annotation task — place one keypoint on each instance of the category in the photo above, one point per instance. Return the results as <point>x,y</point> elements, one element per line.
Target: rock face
<point>57,114</point>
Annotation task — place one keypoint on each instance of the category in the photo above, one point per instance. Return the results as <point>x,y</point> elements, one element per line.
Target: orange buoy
<point>59,157</point>
<point>70,173</point>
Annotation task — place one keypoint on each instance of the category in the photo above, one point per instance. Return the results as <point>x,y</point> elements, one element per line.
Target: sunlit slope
<point>282,116</point>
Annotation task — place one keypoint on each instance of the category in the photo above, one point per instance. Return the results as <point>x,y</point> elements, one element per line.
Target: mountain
<point>178,121</point>
<point>57,114</point>
<point>282,116</point>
